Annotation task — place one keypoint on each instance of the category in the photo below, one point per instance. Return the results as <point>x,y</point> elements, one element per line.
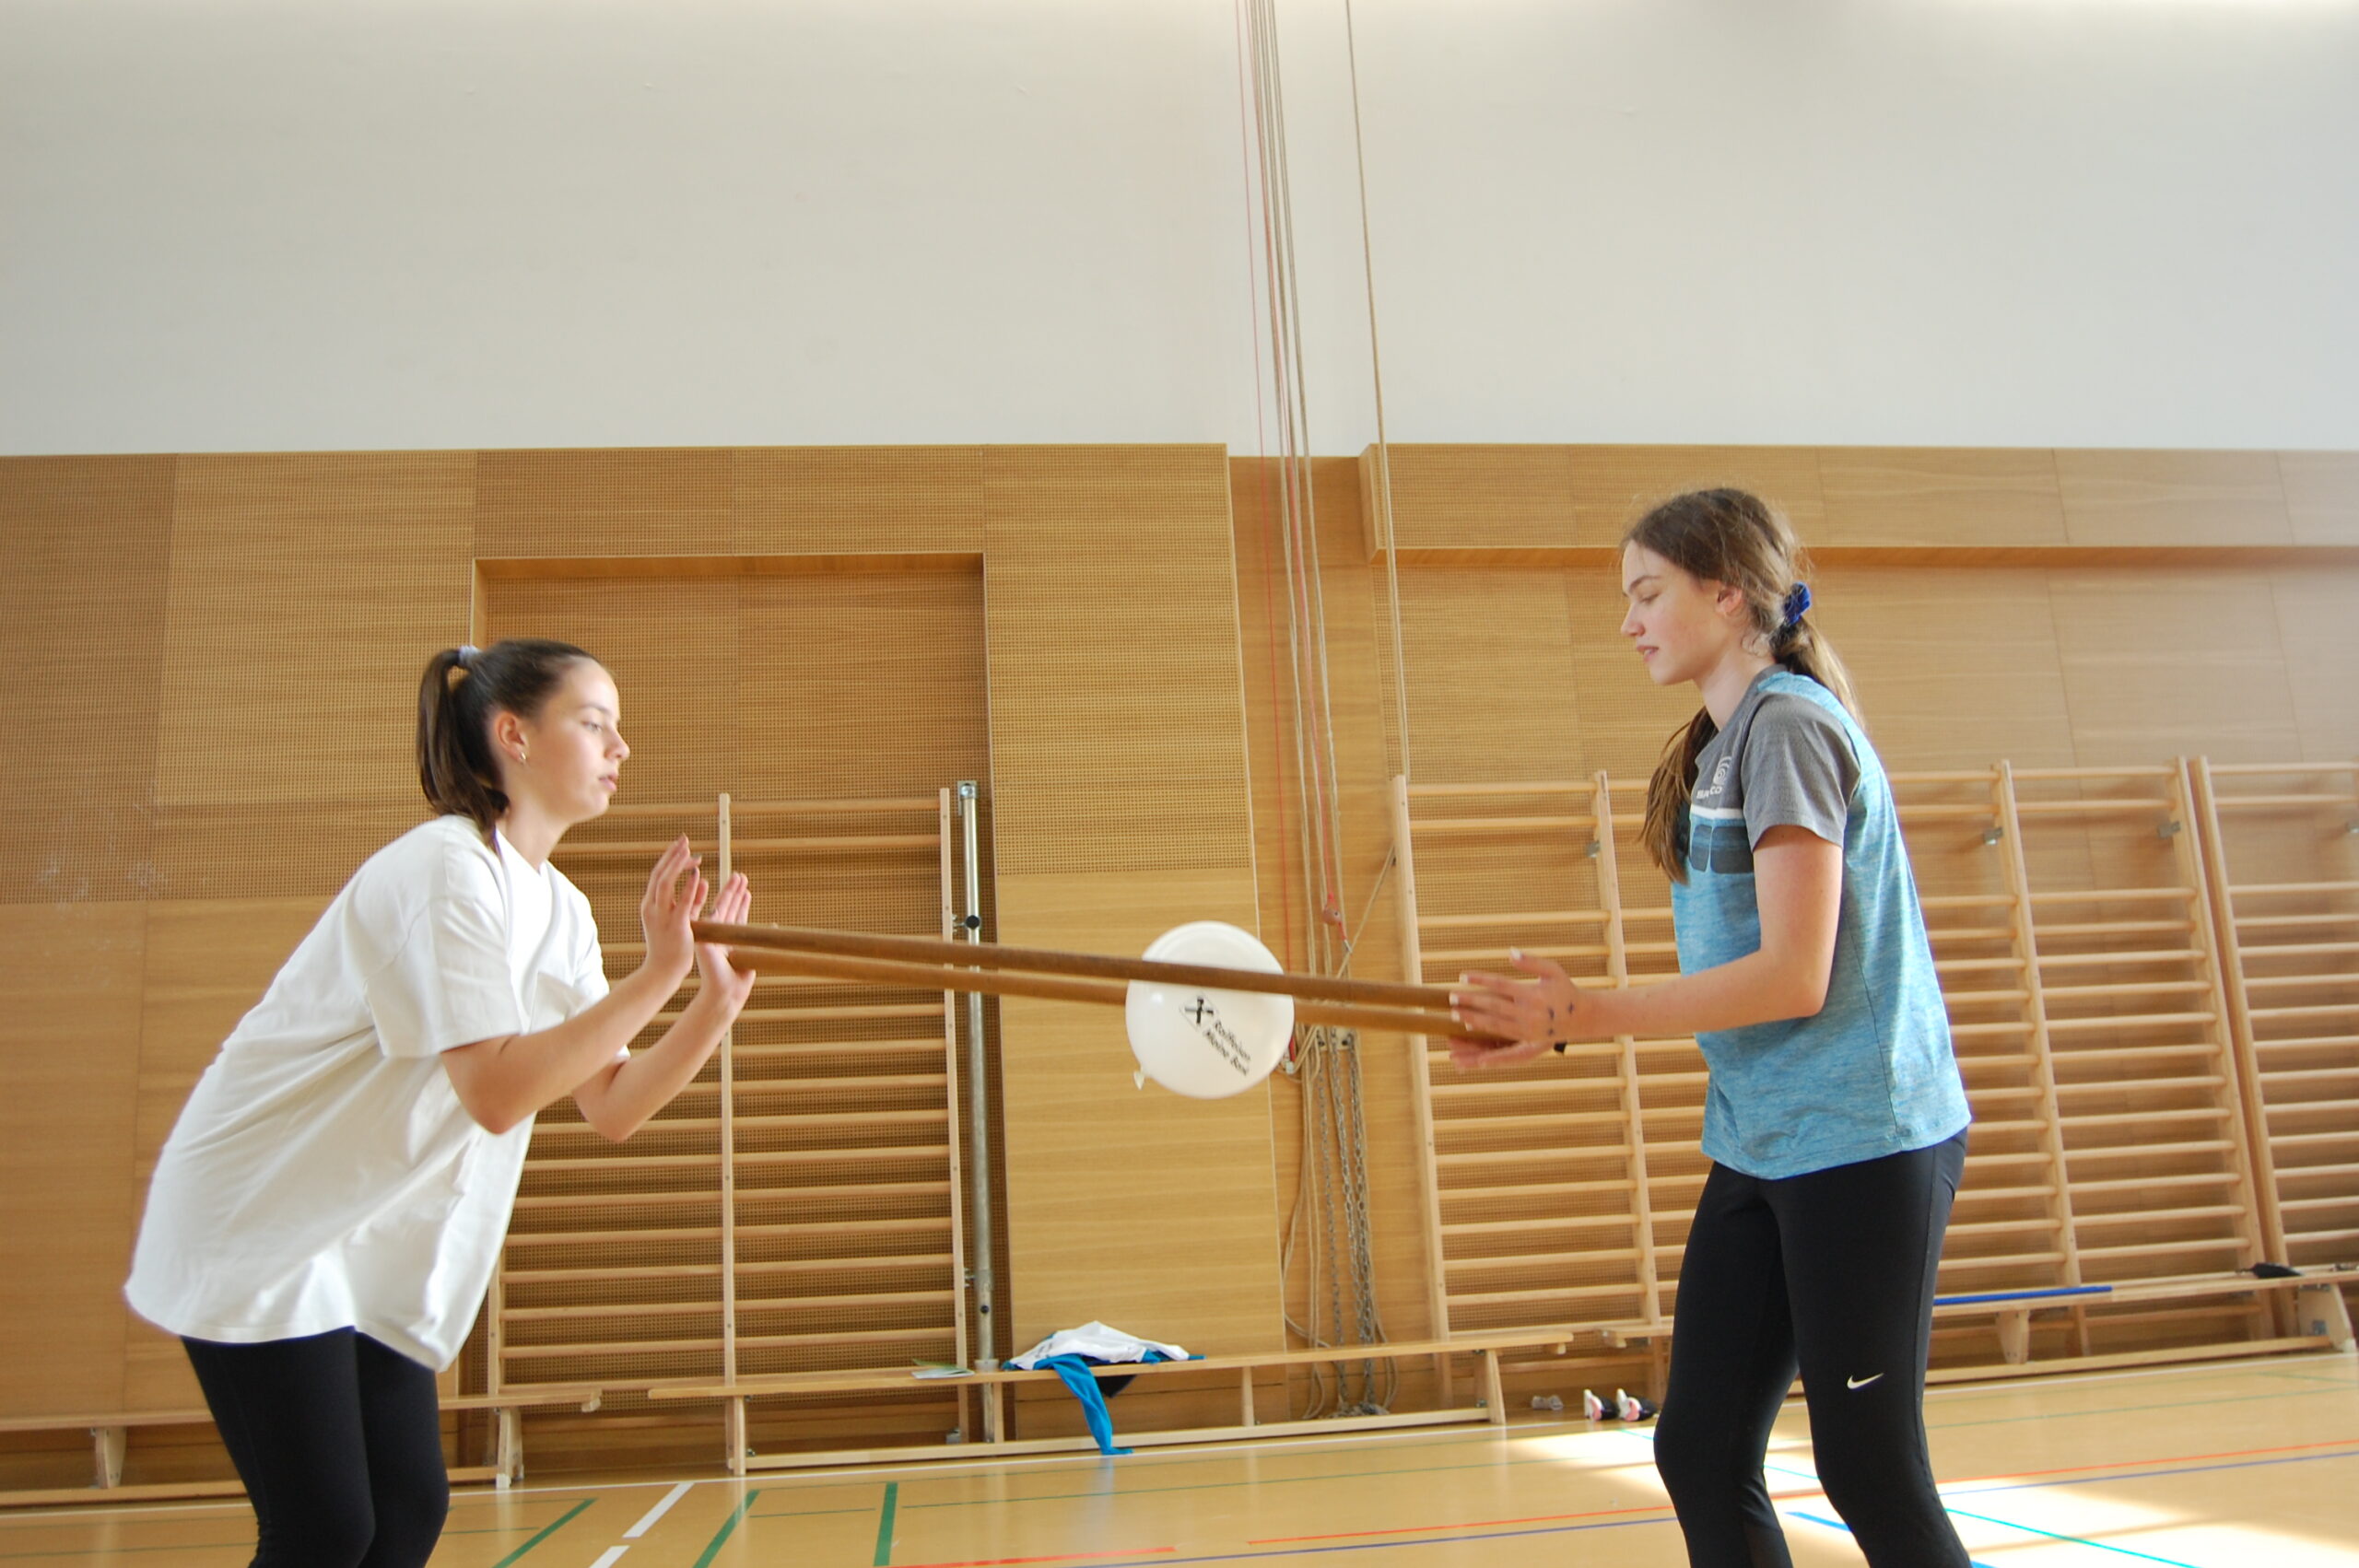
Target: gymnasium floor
<point>2221,1466</point>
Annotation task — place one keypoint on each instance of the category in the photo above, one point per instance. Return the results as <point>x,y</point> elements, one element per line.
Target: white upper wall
<point>270,225</point>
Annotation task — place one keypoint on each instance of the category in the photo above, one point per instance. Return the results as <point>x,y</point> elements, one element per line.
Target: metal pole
<point>979,1157</point>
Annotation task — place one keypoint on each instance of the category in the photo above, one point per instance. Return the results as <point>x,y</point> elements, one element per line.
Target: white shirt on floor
<point>324,1175</point>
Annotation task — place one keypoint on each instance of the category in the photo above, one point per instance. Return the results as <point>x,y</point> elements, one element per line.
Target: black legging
<point>1830,1273</point>
<point>339,1442</point>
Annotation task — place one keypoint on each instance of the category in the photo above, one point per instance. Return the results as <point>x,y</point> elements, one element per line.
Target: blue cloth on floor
<point>1073,1371</point>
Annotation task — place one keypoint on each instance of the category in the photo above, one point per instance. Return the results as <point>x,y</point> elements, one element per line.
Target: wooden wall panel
<point>1615,485</point>
<point>1954,667</point>
<point>306,594</point>
<point>1955,496</point>
<point>69,986</point>
<point>1118,726</point>
<point>1121,808</point>
<point>2165,663</point>
<point>641,501</point>
<point>2318,621</point>
<point>1490,654</point>
<point>81,631</point>
<point>205,962</point>
<point>2172,498</point>
<point>795,499</point>
<point>1499,497</point>
<point>2321,496</point>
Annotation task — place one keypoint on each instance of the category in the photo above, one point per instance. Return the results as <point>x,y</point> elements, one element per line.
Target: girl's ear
<point>1728,601</point>
<point>506,733</point>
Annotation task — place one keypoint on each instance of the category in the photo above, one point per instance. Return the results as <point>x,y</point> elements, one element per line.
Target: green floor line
<point>885,1523</point>
<point>547,1530</point>
<point>713,1548</point>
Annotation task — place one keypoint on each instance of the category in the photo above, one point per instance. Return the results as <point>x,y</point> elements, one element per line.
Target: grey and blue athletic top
<point>1871,1074</point>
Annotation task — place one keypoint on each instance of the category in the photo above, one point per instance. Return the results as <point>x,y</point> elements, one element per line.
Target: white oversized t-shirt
<point>324,1175</point>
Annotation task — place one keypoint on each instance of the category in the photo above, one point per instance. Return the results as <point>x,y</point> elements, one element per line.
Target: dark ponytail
<point>462,689</point>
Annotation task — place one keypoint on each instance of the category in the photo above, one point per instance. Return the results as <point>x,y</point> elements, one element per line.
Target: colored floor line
<point>243,1543</point>
<point>1389,1545</point>
<point>712,1547</point>
<point>1068,1557</point>
<point>1561,1429</point>
<point>546,1531</point>
<point>885,1523</point>
<point>1463,1525</point>
<point>1839,1524</point>
<point>2075,1540</point>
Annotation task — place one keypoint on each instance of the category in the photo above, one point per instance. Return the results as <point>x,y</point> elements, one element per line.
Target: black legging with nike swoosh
<point>1830,1273</point>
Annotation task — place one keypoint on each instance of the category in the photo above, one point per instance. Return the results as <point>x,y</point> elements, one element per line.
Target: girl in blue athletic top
<point>1835,1120</point>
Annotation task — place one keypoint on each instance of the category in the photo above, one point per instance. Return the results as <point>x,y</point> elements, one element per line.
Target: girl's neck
<point>531,834</point>
<point>1725,683</point>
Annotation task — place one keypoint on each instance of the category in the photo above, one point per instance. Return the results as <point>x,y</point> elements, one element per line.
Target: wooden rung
<point>850,1337</point>
<point>2341,1200</point>
<point>1984,1031</point>
<point>2313,1075</point>
<point>2288,982</point>
<point>2134,1118</point>
<point>2146,1216</point>
<point>2139,987</point>
<point>2114,895</point>
<point>2160,1248</point>
<point>2005,1227</point>
<point>2131,1021</point>
<point>2280,922</point>
<point>1522,1227</point>
<point>1446,958</point>
<point>812,1120</point>
<point>1966,901</point>
<point>1561,1293</point>
<point>2080,1054</point>
<point>1533,1122</point>
<point>2002,1260</point>
<point>2267,888</point>
<point>2307,1042</point>
<point>2141,1151</point>
<point>2120,1085</point>
<point>613,1272</point>
<point>889,1152</point>
<point>1543,917</point>
<point>1583,1257</point>
<point>2152,955</point>
<point>1537,1189</point>
<point>1539,786</point>
<point>1974,966</point>
<point>2335,1010</point>
<point>2003,1194</point>
<point>2115,927</point>
<point>1969,999</point>
<point>2299,950</point>
<point>1512,1157</point>
<point>580,1310</point>
<point>858,1299</point>
<point>608,1348</point>
<point>1498,824</point>
<point>2298,1141</point>
<point>2133,1184</point>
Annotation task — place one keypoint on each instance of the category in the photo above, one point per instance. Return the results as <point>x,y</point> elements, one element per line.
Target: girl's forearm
<point>646,1083</point>
<point>1760,988</point>
<point>501,1081</point>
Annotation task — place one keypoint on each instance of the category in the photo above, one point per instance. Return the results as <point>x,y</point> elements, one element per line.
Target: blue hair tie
<point>1797,604</point>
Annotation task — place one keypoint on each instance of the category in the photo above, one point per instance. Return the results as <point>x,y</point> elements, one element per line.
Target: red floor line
<point>1476,1524</point>
<point>1068,1557</point>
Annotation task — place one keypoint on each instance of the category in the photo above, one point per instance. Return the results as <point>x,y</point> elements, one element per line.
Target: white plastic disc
<point>1205,1043</point>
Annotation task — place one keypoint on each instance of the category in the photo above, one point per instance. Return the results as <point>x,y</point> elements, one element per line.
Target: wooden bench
<point>110,1433</point>
<point>1490,1407</point>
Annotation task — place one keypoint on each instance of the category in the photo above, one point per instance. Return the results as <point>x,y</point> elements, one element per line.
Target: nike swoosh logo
<point>1859,1382</point>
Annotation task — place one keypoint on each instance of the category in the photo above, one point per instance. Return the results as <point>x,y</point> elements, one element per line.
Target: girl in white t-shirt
<point>327,1212</point>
